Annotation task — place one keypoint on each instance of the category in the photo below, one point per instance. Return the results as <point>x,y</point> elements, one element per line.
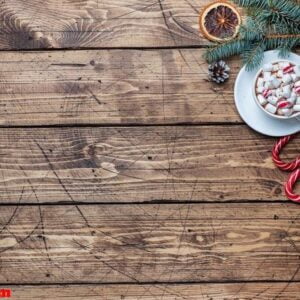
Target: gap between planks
<point>112,125</point>
<point>187,47</point>
<point>124,283</point>
<point>265,290</point>
<point>160,202</point>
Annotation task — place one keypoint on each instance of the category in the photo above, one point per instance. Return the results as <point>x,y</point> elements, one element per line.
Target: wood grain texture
<point>117,164</point>
<point>132,251</point>
<point>149,243</point>
<point>262,291</point>
<point>99,23</point>
<point>112,87</point>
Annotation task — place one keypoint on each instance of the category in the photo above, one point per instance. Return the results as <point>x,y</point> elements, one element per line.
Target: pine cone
<point>218,71</point>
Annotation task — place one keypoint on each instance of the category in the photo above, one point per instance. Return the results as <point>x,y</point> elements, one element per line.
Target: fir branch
<point>273,11</point>
<point>279,42</point>
<point>283,36</point>
<point>261,4</point>
<point>270,16</point>
<point>225,50</point>
<point>254,55</point>
<point>271,24</point>
<point>251,30</point>
<point>286,9</point>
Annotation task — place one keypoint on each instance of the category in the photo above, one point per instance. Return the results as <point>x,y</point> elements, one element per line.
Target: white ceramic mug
<point>295,115</point>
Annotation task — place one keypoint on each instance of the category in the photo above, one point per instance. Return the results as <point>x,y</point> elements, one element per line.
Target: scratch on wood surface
<point>289,282</point>
<point>126,274</point>
<point>69,65</point>
<point>20,241</point>
<point>63,186</point>
<point>183,229</point>
<point>6,225</point>
<point>95,97</point>
<point>270,253</point>
<point>44,237</point>
<point>54,171</point>
<point>192,6</point>
<point>261,292</point>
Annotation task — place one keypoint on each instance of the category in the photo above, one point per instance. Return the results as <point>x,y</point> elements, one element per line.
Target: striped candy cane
<point>287,166</point>
<point>290,184</point>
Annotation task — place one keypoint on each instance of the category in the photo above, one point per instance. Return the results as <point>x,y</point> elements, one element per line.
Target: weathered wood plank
<point>99,23</point>
<point>117,164</point>
<point>112,87</point>
<point>149,243</point>
<point>262,291</point>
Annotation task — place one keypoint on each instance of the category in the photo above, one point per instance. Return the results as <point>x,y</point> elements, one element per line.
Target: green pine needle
<point>254,55</point>
<point>224,50</point>
<point>270,24</point>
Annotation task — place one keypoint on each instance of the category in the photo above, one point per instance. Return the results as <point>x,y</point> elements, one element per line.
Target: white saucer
<point>248,109</point>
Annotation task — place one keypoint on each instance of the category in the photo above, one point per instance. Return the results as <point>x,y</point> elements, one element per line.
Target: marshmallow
<point>271,108</point>
<point>260,89</point>
<point>289,69</point>
<point>269,85</point>
<point>293,97</point>
<point>287,111</point>
<point>295,77</point>
<point>297,70</point>
<point>279,112</point>
<point>286,91</point>
<point>298,100</point>
<point>292,100</point>
<point>280,74</point>
<point>275,68</point>
<point>283,64</point>
<point>272,99</point>
<point>262,100</point>
<point>279,92</point>
<point>287,78</point>
<point>296,107</point>
<point>267,76</point>
<point>260,82</point>
<point>284,104</point>
<point>275,82</point>
<point>266,93</point>
<point>297,83</point>
<point>267,68</point>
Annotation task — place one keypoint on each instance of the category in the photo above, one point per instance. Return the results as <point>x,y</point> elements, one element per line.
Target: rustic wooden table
<point>124,173</point>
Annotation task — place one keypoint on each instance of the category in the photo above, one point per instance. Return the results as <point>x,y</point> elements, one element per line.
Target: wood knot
<point>96,150</point>
<point>277,190</point>
<point>89,151</point>
<point>97,65</point>
<point>282,234</point>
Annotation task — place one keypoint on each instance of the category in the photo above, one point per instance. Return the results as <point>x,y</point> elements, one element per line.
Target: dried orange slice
<point>219,21</point>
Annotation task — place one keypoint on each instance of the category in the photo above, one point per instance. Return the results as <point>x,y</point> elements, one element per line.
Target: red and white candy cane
<point>287,166</point>
<point>290,184</point>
